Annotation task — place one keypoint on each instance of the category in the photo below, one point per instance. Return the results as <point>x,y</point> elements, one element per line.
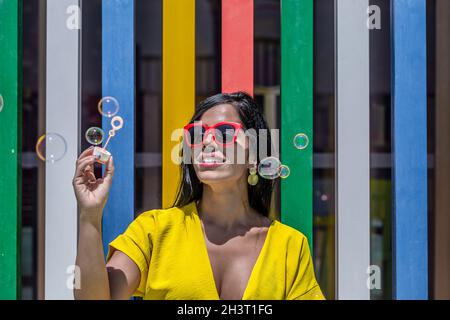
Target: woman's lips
<point>210,164</point>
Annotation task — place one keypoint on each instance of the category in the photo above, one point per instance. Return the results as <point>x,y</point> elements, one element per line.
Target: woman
<point>216,242</point>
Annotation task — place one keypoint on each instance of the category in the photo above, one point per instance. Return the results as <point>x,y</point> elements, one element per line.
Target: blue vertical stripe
<point>119,82</point>
<point>409,175</point>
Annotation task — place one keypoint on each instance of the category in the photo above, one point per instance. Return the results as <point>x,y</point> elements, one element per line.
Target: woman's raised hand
<point>91,192</point>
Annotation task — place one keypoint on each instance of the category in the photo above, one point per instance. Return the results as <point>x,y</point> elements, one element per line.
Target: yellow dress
<point>170,250</point>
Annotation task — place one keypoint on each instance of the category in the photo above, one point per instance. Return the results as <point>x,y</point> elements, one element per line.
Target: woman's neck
<point>226,206</point>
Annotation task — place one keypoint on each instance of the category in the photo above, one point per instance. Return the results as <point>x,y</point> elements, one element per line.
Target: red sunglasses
<point>224,133</point>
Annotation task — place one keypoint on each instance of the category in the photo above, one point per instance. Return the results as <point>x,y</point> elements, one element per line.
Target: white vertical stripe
<point>352,149</point>
<point>62,115</point>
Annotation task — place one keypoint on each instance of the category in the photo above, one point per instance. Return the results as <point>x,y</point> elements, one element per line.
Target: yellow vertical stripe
<point>178,84</point>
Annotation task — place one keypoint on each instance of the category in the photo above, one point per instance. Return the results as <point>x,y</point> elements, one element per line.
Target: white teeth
<point>211,160</point>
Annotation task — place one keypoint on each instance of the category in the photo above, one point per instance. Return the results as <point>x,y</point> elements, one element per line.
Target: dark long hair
<point>191,189</point>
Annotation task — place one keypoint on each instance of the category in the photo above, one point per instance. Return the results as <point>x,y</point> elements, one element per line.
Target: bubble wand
<point>102,154</point>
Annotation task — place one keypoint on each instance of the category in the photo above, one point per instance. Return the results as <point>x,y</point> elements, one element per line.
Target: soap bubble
<point>1,103</point>
<point>301,141</point>
<point>108,107</point>
<point>51,147</point>
<point>94,136</point>
<point>268,168</point>
<point>284,171</point>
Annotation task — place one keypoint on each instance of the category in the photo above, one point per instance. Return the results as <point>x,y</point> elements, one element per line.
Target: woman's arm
<point>94,283</point>
<point>119,278</point>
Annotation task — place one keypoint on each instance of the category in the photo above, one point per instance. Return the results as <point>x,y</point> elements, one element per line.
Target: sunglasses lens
<point>196,134</point>
<point>225,133</point>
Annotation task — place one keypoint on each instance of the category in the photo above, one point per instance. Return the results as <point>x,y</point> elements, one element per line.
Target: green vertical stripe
<point>10,148</point>
<point>297,113</point>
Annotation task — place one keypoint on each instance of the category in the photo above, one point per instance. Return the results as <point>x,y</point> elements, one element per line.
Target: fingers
<point>96,185</point>
<point>109,171</point>
<point>89,168</point>
<point>81,171</point>
<point>90,176</point>
<point>86,153</point>
<point>82,164</point>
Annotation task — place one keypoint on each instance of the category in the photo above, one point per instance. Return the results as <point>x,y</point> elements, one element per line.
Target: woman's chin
<point>214,176</point>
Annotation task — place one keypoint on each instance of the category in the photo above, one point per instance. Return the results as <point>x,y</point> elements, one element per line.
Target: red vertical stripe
<point>237,46</point>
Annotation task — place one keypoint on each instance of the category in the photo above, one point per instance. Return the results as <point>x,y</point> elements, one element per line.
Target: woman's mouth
<point>210,161</point>
<point>210,165</point>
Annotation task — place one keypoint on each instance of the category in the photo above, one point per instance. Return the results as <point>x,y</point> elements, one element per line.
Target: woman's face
<point>214,163</point>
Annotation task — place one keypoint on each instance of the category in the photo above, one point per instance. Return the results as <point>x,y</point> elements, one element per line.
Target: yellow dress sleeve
<point>300,273</point>
<point>136,242</point>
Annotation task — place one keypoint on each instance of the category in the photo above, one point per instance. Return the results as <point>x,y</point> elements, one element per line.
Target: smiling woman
<point>215,242</point>
<point>241,110</point>
<point>220,228</point>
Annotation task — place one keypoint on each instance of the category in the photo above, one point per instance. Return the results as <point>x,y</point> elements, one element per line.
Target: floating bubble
<point>51,147</point>
<point>284,171</point>
<point>1,103</point>
<point>94,136</point>
<point>268,168</point>
<point>108,107</point>
<point>301,141</point>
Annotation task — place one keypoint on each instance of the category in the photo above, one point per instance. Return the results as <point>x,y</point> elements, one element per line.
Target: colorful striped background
<point>352,123</point>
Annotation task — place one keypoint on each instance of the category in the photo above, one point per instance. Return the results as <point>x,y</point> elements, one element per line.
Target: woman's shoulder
<point>165,216</point>
<point>289,235</point>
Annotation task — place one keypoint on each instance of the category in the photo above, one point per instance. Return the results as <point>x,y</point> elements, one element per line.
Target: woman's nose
<point>208,138</point>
